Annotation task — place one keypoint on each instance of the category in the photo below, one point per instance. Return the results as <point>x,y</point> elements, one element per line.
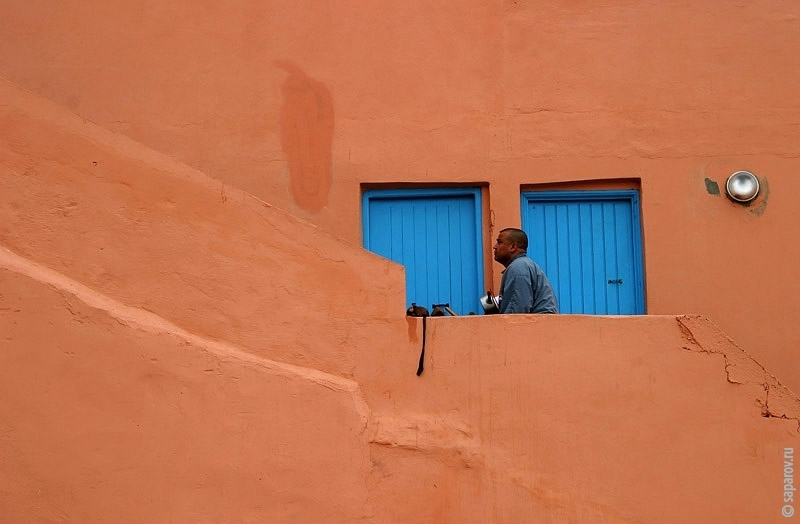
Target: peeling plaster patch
<point>740,368</point>
<point>712,187</point>
<point>761,207</point>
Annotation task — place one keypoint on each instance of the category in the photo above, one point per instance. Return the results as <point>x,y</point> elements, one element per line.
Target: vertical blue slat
<point>624,249</point>
<point>538,224</point>
<point>609,248</point>
<point>442,232</point>
<point>434,255</point>
<point>638,270</point>
<point>463,285</point>
<point>408,248</point>
<point>395,231</point>
<point>575,277</point>
<point>598,252</point>
<point>562,248</point>
<point>379,231</point>
<point>455,247</point>
<point>537,234</point>
<point>587,259</point>
<point>561,226</point>
<point>396,249</point>
<point>549,260</point>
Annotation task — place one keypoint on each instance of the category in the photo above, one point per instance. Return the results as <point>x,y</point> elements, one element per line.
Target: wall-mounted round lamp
<point>742,186</point>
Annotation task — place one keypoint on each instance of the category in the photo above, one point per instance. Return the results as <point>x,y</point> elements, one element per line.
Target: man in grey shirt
<point>524,287</point>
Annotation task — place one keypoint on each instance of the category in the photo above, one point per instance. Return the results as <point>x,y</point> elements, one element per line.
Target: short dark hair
<point>517,236</point>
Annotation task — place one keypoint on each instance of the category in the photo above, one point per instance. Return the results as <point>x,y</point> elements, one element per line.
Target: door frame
<point>600,195</point>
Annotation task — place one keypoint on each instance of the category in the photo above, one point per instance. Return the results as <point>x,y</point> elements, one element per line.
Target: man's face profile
<point>504,248</point>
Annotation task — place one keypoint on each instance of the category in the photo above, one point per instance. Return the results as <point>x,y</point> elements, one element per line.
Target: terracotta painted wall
<point>108,415</point>
<point>145,375</point>
<point>131,222</point>
<point>582,419</point>
<point>300,103</point>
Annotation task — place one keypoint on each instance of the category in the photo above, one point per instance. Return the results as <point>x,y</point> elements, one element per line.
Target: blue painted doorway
<point>436,234</point>
<point>589,245</point>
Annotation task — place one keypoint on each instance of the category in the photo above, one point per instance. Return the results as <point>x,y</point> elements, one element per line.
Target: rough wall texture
<point>545,419</point>
<point>108,414</point>
<point>80,200</point>
<point>143,377</point>
<point>300,103</point>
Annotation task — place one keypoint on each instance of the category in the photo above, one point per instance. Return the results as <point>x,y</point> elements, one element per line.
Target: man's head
<point>510,243</point>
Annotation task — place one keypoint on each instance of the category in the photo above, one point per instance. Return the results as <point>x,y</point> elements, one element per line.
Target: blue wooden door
<point>436,234</point>
<point>589,245</point>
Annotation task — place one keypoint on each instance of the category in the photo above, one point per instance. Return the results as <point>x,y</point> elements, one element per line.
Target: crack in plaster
<point>768,381</point>
<point>138,318</point>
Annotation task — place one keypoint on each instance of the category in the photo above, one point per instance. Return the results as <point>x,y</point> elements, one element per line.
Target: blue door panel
<point>588,244</point>
<point>435,234</point>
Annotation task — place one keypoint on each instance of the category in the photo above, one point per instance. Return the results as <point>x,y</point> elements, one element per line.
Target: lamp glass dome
<point>742,186</point>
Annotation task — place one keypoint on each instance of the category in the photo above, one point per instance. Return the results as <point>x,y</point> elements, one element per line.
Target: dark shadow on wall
<point>306,127</point>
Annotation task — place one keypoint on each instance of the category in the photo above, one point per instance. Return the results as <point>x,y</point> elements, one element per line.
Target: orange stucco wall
<point>581,419</point>
<point>82,201</point>
<point>300,103</point>
<point>109,415</point>
<point>172,352</point>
